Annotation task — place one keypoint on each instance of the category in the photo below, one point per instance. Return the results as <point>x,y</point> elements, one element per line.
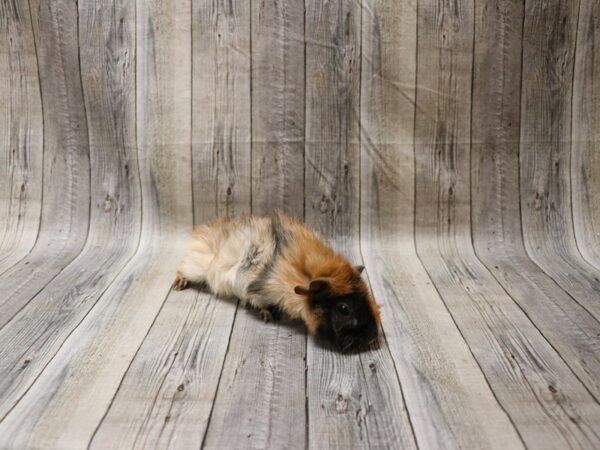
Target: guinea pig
<point>278,264</point>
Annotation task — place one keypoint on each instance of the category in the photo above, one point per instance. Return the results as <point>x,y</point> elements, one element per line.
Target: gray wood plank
<point>447,397</point>
<point>66,183</point>
<point>178,394</point>
<point>261,397</point>
<point>34,335</point>
<point>221,109</point>
<point>21,136</point>
<point>260,400</point>
<point>353,400</point>
<point>545,150</point>
<point>166,397</point>
<point>547,404</point>
<point>571,330</point>
<point>278,107</point>
<point>585,133</point>
<point>72,395</point>
<point>192,330</point>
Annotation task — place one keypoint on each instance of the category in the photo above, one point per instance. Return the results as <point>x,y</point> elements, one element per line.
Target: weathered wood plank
<point>585,133</point>
<point>278,107</point>
<point>353,400</point>
<point>71,396</point>
<point>571,330</point>
<point>178,392</point>
<point>261,397</point>
<point>260,401</point>
<point>66,184</point>
<point>166,397</point>
<point>547,404</point>
<point>221,109</point>
<point>35,334</point>
<point>545,150</point>
<point>21,135</point>
<point>447,397</point>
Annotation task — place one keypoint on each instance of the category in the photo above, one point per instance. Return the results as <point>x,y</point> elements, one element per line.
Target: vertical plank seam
<point>237,307</point>
<point>192,111</point>
<point>521,222</point>
<point>89,150</point>
<point>39,83</point>
<point>416,246</point>
<point>358,119</point>
<point>141,216</point>
<point>39,80</point>
<point>481,260</point>
<point>577,246</point>
<point>306,414</point>
<point>83,246</point>
<point>251,103</point>
<point>360,239</point>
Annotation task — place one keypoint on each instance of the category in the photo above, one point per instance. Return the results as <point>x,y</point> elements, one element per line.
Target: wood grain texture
<point>34,335</point>
<point>66,180</point>
<point>355,400</point>
<point>585,133</point>
<point>21,135</point>
<point>448,400</point>
<point>545,146</point>
<point>548,405</point>
<point>261,396</point>
<point>88,369</point>
<point>278,106</point>
<point>497,237</point>
<point>176,372</point>
<point>451,146</point>
<point>221,109</point>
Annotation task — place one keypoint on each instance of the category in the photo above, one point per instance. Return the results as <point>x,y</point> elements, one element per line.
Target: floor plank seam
<point>99,425</point>
<point>220,374</point>
<point>509,295</point>
<point>383,335</point>
<point>510,419</point>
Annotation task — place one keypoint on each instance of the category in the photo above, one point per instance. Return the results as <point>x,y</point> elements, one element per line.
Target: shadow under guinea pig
<point>281,319</point>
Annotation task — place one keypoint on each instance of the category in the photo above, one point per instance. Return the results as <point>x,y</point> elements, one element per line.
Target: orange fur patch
<point>304,258</point>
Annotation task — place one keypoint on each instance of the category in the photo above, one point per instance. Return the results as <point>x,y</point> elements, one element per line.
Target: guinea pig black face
<point>349,318</point>
<point>348,321</point>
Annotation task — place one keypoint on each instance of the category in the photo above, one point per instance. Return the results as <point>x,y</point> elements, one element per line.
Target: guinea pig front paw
<point>180,283</point>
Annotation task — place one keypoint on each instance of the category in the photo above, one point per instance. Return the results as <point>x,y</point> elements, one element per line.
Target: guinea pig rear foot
<point>180,283</point>
<point>266,315</point>
<point>270,314</point>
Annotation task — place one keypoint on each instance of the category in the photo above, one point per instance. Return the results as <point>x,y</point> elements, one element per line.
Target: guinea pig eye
<point>343,309</point>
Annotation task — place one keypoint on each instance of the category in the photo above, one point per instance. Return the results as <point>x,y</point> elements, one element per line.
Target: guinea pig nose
<point>354,323</point>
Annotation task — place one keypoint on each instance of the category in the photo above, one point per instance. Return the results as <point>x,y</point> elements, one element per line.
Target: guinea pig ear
<point>316,285</point>
<point>359,268</point>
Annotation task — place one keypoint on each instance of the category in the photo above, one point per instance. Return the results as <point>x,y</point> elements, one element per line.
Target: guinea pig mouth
<point>349,342</point>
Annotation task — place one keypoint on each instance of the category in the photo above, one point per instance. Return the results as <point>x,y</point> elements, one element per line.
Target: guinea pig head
<point>343,309</point>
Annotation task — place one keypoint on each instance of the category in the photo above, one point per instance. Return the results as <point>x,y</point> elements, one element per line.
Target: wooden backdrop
<point>453,147</point>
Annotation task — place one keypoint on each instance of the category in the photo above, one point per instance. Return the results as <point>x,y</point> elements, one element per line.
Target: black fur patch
<point>348,320</point>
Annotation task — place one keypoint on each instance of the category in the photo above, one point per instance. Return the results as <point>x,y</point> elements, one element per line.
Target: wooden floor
<point>453,147</point>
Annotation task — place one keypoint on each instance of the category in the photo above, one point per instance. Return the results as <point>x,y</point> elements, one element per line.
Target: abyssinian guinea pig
<point>278,264</point>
